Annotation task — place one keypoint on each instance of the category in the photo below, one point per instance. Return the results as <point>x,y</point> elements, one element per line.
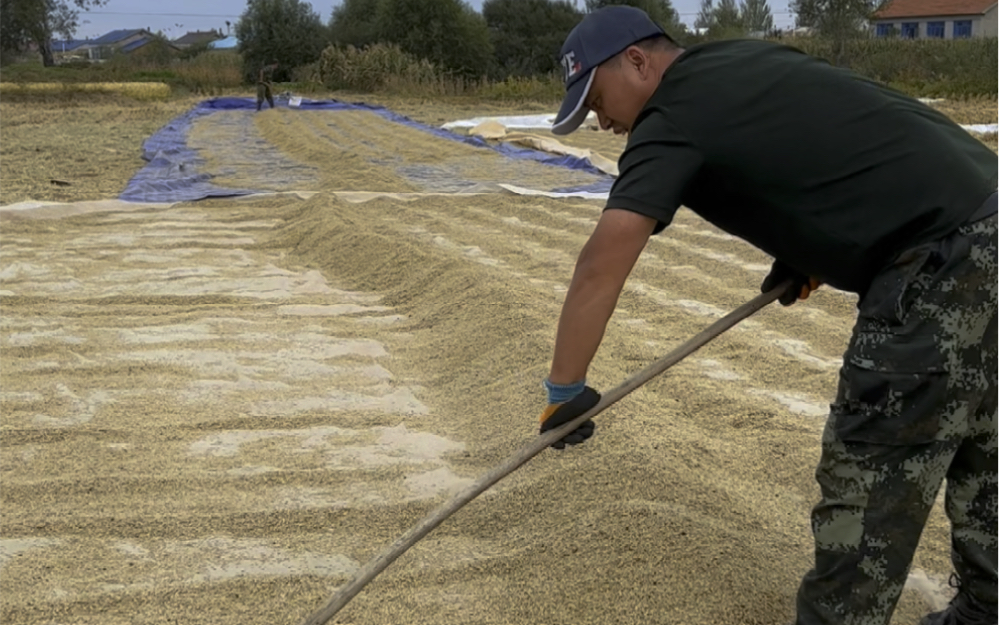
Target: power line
<point>157,14</point>
<point>771,13</point>
<point>232,15</point>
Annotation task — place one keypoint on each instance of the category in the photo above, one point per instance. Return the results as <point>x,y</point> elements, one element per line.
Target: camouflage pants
<point>916,405</point>
<point>264,93</point>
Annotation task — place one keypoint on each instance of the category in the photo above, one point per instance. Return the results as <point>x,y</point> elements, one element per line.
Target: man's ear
<point>637,58</point>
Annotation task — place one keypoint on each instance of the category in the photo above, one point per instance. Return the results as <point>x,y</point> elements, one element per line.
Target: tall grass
<point>956,68</point>
<point>387,69</point>
<point>547,89</point>
<point>929,68</point>
<point>209,73</point>
<point>137,90</point>
<point>370,69</point>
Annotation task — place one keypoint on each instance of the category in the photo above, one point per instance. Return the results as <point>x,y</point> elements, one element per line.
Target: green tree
<point>355,23</point>
<point>728,22</point>
<point>23,22</point>
<point>287,31</point>
<point>706,15</point>
<point>448,33</point>
<point>527,34</point>
<point>832,17</point>
<point>756,16</point>
<point>661,11</point>
<point>839,20</point>
<point>721,21</point>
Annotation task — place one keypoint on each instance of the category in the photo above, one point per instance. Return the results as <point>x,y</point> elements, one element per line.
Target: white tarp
<point>53,210</point>
<point>981,129</point>
<point>492,129</point>
<point>522,122</point>
<point>518,122</point>
<point>31,209</point>
<point>552,146</point>
<point>586,195</point>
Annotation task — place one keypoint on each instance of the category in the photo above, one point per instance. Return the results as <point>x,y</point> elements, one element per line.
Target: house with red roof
<point>936,19</point>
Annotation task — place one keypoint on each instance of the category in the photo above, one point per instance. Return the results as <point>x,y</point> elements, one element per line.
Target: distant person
<point>265,90</point>
<point>844,182</point>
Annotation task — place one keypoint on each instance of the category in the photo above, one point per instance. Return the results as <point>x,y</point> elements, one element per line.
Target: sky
<point>176,17</point>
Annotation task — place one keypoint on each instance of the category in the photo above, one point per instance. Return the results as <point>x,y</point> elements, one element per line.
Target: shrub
<point>210,73</point>
<point>370,69</point>
<point>547,88</point>
<point>924,67</point>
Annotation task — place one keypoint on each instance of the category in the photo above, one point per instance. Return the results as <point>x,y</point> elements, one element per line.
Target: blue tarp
<point>172,172</point>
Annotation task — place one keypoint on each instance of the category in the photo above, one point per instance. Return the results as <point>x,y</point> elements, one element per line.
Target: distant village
<point>136,42</point>
<point>906,19</point>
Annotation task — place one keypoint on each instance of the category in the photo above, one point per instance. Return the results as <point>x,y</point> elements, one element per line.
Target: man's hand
<point>557,414</point>
<point>801,285</point>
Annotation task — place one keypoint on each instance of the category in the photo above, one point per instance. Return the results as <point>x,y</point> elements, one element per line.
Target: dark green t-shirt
<point>820,168</point>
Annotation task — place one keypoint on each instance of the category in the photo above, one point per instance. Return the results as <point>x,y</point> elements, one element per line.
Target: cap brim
<point>572,112</point>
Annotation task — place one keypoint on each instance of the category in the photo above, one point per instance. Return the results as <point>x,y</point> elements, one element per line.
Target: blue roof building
<point>124,41</point>
<point>68,45</point>
<point>229,43</point>
<point>118,36</point>
<point>134,45</point>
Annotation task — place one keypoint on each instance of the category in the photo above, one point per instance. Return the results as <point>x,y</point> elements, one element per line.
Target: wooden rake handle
<point>379,563</point>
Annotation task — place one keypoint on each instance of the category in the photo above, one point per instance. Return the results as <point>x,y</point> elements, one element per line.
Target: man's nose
<point>605,122</point>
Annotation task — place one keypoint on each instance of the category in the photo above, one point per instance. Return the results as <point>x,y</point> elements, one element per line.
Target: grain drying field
<point>215,411</point>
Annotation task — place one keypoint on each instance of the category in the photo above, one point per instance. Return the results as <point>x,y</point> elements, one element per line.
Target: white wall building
<point>936,19</point>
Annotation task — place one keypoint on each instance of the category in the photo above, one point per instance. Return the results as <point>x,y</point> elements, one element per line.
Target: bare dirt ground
<point>214,413</point>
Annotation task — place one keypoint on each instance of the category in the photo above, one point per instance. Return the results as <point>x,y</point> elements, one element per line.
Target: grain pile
<point>138,90</point>
<point>94,143</point>
<point>238,157</point>
<point>609,145</point>
<point>284,149</point>
<point>969,111</point>
<point>214,413</point>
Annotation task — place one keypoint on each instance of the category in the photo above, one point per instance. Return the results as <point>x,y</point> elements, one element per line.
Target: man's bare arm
<point>601,271</point>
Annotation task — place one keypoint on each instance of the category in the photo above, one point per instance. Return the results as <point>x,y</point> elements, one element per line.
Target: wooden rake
<point>379,563</point>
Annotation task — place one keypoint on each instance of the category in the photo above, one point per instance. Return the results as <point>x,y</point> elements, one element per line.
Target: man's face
<point>621,87</point>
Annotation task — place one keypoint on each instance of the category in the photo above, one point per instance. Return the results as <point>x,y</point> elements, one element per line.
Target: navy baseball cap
<point>601,35</point>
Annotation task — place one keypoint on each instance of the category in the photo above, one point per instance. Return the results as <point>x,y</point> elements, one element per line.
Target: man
<point>843,182</point>
<point>265,90</point>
